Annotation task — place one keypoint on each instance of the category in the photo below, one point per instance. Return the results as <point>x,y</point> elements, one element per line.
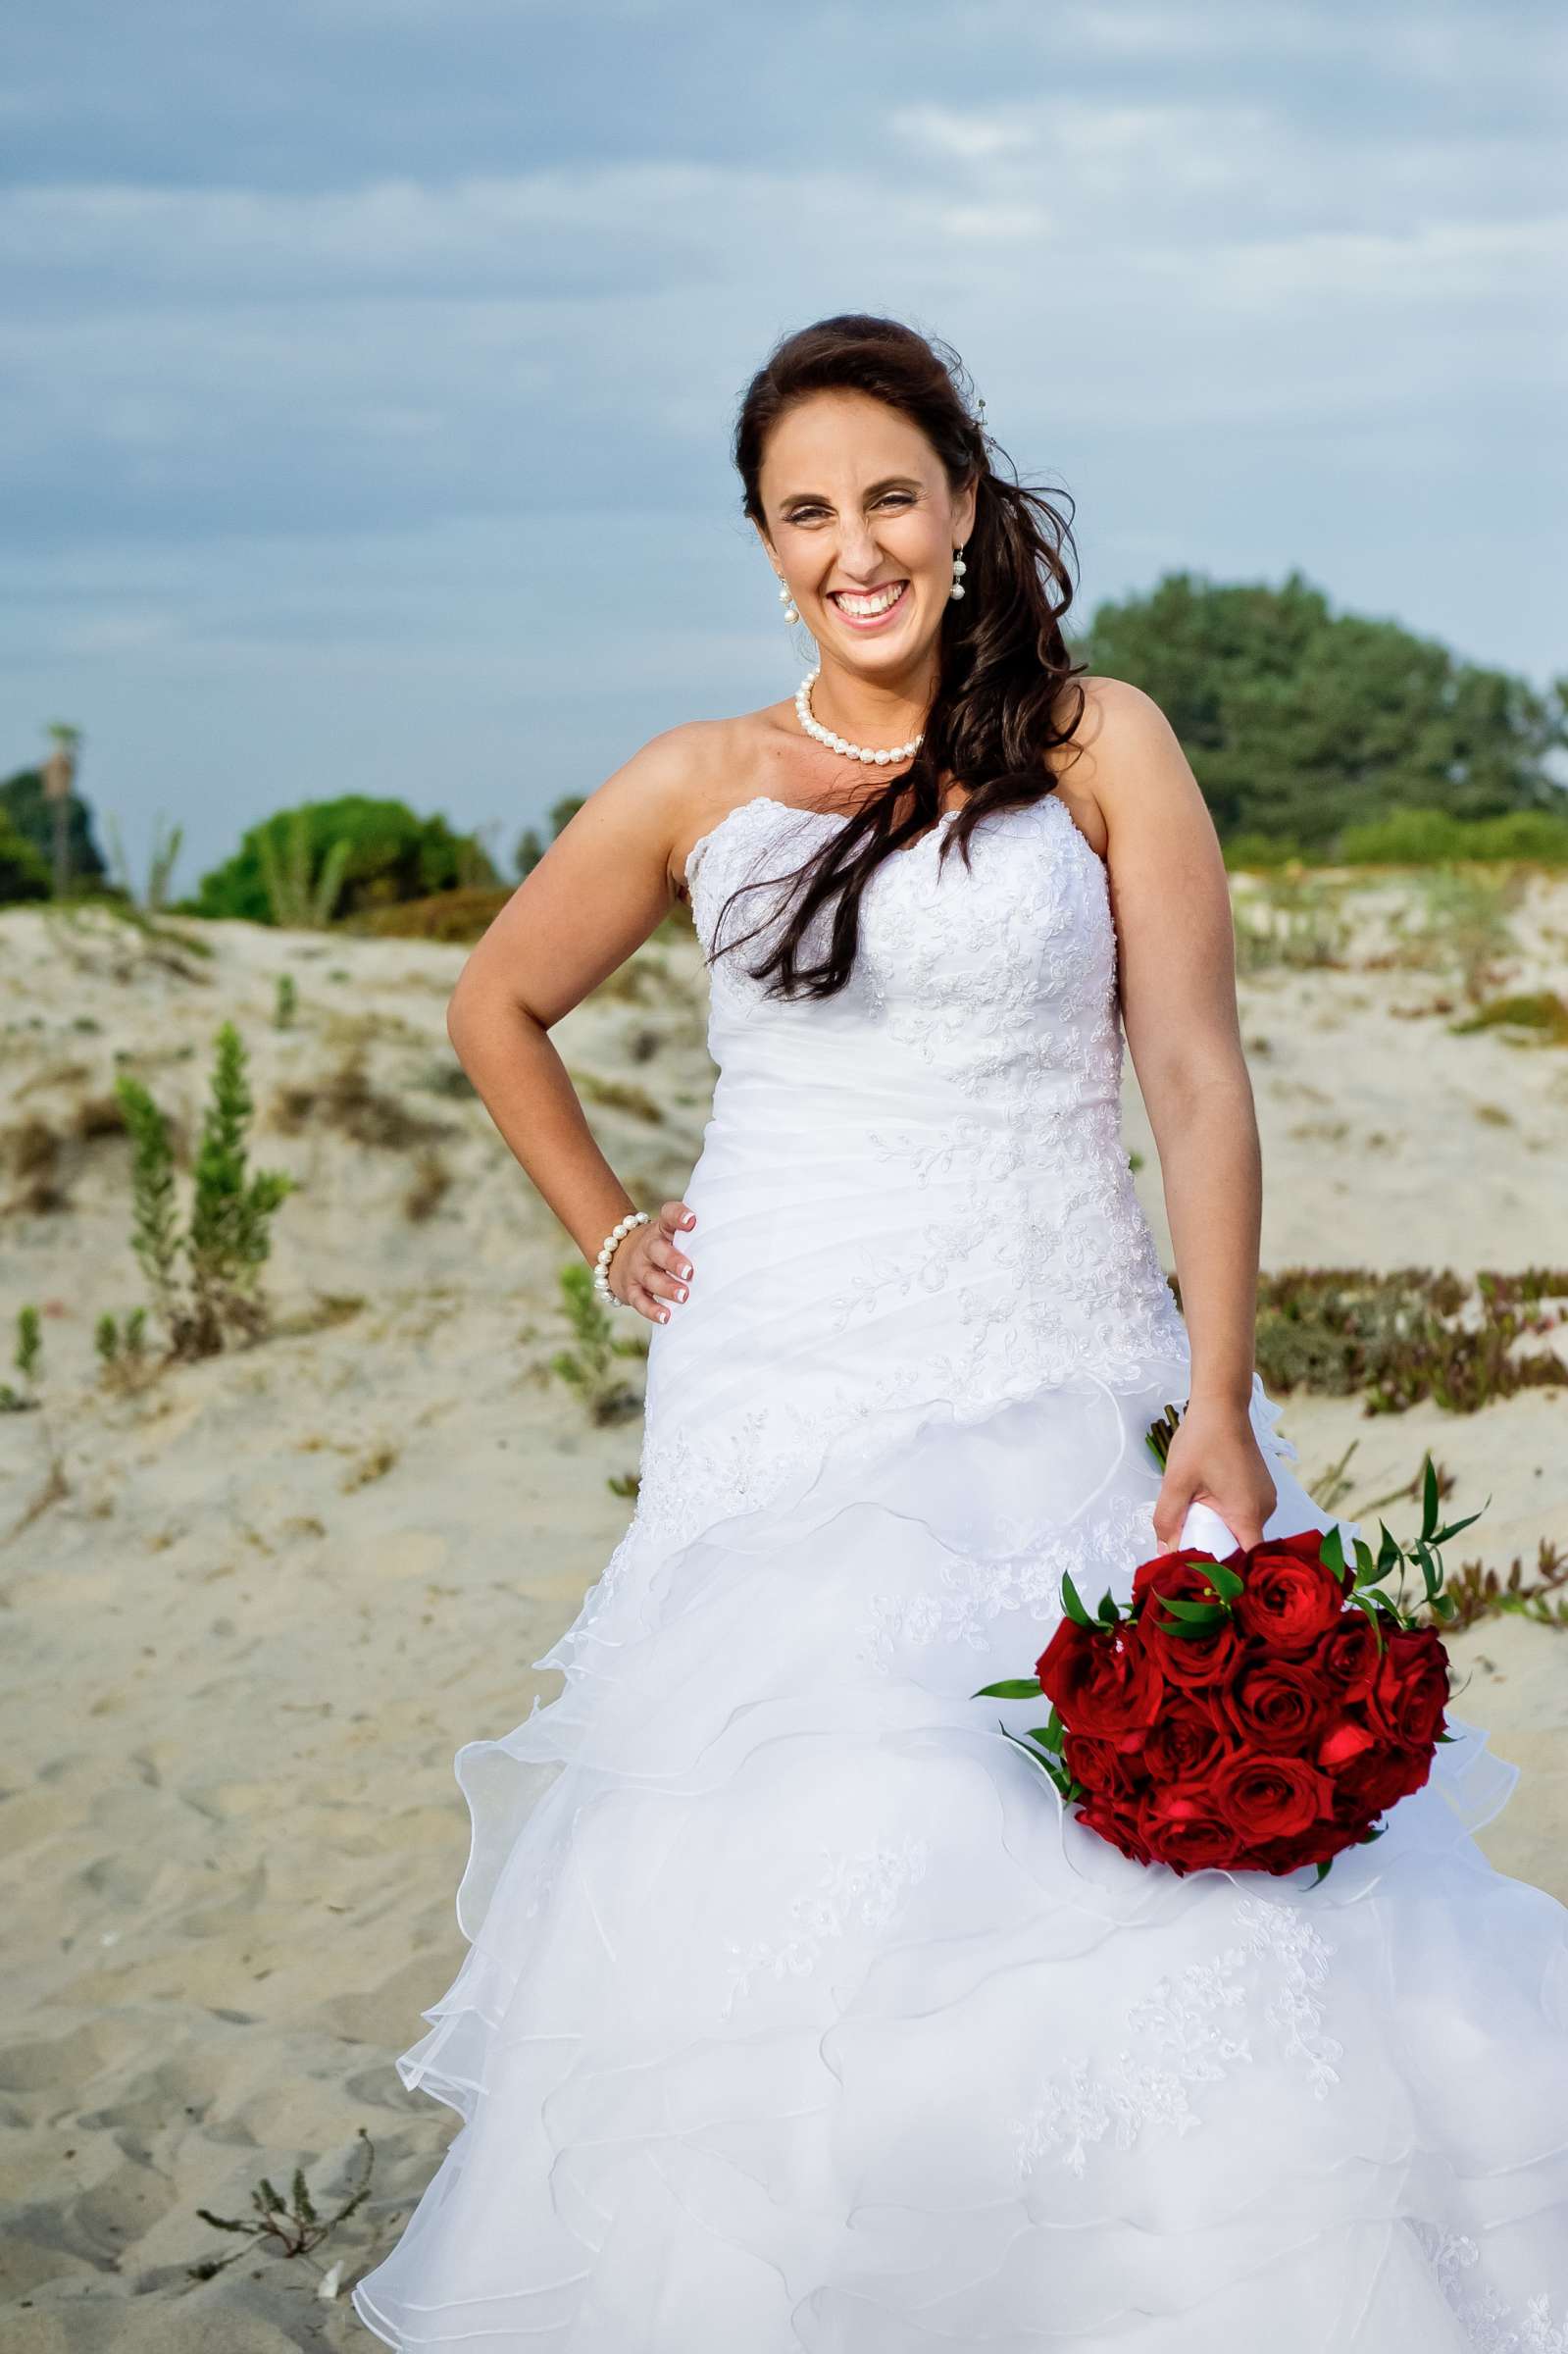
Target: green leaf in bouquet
<point>1390,1554</point>
<point>1073,1605</point>
<point>1323,1871</point>
<point>1429,1500</point>
<point>1363,1561</point>
<point>1331,1553</point>
<point>1441,1536</point>
<point>1201,1615</point>
<point>1445,1606</point>
<point>1013,1687</point>
<point>1109,1615</point>
<point>1042,1734</point>
<point>1226,1582</point>
<point>1447,1736</point>
<point>1372,1603</point>
<point>1047,1764</point>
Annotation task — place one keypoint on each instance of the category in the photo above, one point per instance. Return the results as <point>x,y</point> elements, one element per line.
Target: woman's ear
<point>964,518</point>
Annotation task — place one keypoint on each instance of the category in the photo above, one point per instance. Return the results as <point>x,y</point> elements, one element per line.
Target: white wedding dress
<point>795,2015</point>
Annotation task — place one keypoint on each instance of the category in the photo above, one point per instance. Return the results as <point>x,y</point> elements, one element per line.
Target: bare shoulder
<point>646,807</point>
<point>1119,723</point>
<point>1126,760</point>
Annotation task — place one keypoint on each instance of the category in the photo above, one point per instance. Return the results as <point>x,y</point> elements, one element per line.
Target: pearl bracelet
<point>607,1250</point>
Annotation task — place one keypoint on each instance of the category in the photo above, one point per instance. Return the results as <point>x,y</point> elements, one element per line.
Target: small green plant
<point>590,1367</point>
<point>227,1239</point>
<point>1540,1013</point>
<point>1480,1593</point>
<point>27,1359</point>
<point>291,2227</point>
<point>286,1004</point>
<point>297,899</point>
<point>161,864</point>
<point>121,1350</point>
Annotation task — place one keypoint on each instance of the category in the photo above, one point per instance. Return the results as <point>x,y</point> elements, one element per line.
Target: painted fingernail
<point>664,1316</point>
<point>681,1291</point>
<point>686,1270</point>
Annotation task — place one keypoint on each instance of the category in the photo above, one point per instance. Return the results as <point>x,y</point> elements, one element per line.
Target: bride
<point>796,2012</point>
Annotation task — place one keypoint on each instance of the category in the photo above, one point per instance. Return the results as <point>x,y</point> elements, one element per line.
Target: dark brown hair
<point>1002,659</point>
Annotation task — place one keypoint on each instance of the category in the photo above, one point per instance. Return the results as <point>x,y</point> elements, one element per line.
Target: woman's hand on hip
<point>649,1268</point>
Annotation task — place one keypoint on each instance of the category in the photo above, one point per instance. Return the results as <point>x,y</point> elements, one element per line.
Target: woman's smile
<point>873,608</point>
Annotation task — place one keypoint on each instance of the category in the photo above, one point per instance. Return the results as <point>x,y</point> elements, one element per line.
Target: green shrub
<point>391,855</point>
<point>228,1238</point>
<point>1432,836</point>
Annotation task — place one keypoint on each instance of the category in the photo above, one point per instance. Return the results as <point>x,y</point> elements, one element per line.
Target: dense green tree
<point>23,869</point>
<point>1299,722</point>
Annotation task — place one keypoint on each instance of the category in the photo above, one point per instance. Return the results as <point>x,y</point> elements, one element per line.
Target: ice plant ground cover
<point>1257,1713</point>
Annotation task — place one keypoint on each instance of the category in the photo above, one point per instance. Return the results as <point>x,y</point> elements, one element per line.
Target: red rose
<point>1180,1824</point>
<point>1164,1566</point>
<point>1348,1655</point>
<point>1410,1689</point>
<point>1102,1680</point>
<point>1185,1742</point>
<point>1291,1597</point>
<point>1193,1661</point>
<point>1115,1767</point>
<point>1319,1844</point>
<point>1343,1743</point>
<point>1274,1704</point>
<point>1118,1822</point>
<point>1270,1797</point>
<point>1379,1777</point>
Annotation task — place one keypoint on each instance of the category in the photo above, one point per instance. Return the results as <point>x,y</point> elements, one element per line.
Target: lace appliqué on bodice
<point>967,1086</point>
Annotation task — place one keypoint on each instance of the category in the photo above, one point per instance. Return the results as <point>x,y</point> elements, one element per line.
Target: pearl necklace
<point>841,743</point>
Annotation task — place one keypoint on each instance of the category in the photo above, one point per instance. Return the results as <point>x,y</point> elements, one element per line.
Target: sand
<point>255,1606</point>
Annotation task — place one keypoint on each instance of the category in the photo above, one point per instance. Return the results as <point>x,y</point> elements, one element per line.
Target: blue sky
<point>368,366</point>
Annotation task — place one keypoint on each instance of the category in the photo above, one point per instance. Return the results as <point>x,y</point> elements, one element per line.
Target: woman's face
<point>858,505</point>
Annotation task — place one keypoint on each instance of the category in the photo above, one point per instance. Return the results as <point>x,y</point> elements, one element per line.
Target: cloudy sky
<point>368,366</point>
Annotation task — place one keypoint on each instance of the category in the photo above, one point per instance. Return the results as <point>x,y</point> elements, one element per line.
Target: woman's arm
<point>1176,970</point>
<point>595,895</point>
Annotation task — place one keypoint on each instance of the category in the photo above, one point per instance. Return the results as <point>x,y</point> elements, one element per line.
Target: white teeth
<point>865,606</point>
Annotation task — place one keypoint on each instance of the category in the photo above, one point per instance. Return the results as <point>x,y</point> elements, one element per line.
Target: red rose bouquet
<point>1254,1713</point>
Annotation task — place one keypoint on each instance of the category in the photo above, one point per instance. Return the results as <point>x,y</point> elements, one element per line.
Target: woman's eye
<point>809,514</point>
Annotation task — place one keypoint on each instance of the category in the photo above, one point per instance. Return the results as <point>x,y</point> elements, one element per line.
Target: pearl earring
<point>787,599</point>
<point>959,568</point>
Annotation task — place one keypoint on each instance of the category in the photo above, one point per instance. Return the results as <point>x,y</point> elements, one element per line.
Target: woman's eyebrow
<point>891,481</point>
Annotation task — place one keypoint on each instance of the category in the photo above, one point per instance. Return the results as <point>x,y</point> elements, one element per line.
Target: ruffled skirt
<point>797,2015</point>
